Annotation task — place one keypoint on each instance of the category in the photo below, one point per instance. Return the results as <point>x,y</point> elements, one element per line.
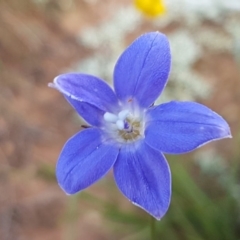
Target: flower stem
<point>153,228</point>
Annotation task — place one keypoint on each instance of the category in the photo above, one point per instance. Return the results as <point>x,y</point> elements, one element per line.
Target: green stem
<point>153,228</point>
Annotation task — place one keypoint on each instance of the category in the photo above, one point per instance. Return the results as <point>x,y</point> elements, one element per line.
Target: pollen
<point>124,126</point>
<point>133,133</point>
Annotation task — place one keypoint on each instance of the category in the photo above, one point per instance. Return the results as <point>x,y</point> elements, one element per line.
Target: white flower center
<point>125,126</point>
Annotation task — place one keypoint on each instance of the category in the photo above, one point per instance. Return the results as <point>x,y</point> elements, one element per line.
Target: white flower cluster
<point>108,41</point>
<point>184,83</point>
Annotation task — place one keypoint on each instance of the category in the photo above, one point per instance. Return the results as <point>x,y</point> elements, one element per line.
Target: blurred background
<point>40,39</point>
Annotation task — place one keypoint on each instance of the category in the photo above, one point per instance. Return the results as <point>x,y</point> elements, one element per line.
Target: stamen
<point>125,126</point>
<point>120,124</point>
<point>123,114</point>
<point>110,117</point>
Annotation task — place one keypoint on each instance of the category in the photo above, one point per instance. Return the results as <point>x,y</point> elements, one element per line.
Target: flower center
<point>124,127</point>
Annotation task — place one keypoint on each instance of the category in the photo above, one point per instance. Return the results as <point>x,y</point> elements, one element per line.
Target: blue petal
<point>89,95</point>
<point>91,114</point>
<point>142,71</point>
<point>179,127</point>
<point>85,158</point>
<point>143,176</point>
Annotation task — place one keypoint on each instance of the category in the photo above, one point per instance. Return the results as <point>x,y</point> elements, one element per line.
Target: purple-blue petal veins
<point>142,70</point>
<point>179,127</point>
<point>91,114</point>
<point>143,176</point>
<point>85,158</point>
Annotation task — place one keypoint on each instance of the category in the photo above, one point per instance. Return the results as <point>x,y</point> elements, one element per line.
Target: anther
<point>123,114</point>
<point>120,124</point>
<point>110,117</point>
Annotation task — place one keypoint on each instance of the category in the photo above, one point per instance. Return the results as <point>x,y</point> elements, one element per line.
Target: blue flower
<point>127,131</point>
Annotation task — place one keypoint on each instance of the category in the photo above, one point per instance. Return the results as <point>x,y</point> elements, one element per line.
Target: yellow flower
<point>151,8</point>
